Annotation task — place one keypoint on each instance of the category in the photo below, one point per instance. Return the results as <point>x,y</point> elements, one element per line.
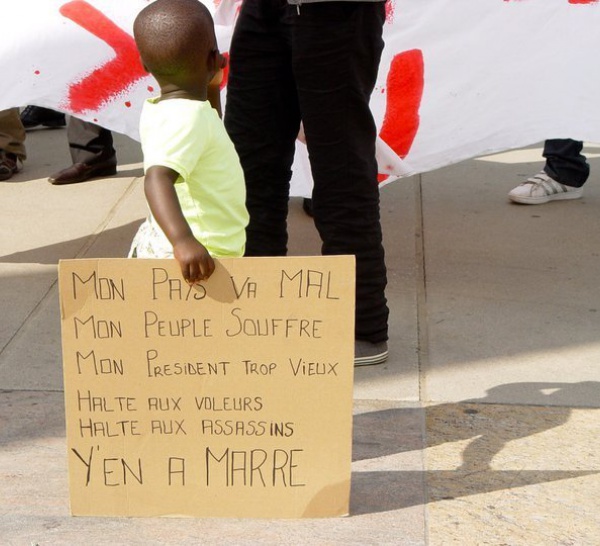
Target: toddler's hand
<point>195,261</point>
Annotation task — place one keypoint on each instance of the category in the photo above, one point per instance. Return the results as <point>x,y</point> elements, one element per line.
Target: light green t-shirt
<point>189,137</point>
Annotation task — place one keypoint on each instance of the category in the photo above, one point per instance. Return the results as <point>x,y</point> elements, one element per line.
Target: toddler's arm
<point>195,261</point>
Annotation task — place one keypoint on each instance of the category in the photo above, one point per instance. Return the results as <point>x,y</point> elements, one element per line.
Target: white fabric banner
<point>458,78</point>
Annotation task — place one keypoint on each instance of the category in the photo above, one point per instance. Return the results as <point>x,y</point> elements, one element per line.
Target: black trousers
<point>317,63</point>
<point>565,163</point>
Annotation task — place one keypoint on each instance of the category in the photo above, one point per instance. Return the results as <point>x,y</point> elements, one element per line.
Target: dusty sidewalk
<point>482,428</point>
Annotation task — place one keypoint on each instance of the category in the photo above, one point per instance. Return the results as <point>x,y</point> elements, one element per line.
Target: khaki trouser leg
<point>12,133</point>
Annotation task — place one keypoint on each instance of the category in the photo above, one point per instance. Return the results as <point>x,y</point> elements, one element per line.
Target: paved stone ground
<point>480,429</point>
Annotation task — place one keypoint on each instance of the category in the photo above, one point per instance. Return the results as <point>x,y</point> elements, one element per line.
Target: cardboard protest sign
<point>229,398</point>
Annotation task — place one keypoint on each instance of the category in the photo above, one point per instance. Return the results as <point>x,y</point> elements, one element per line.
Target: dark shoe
<point>307,206</point>
<point>367,353</point>
<point>80,172</point>
<point>10,164</point>
<point>34,116</point>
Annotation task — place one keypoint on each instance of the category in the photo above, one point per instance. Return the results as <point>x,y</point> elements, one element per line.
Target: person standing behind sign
<point>314,61</point>
<point>194,183</point>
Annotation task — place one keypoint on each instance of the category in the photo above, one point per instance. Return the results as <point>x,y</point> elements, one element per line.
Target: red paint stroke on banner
<point>115,76</point>
<point>570,1</point>
<point>405,83</point>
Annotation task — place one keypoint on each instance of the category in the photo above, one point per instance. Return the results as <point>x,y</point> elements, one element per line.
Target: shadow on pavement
<point>26,416</point>
<point>385,491</point>
<point>118,239</point>
<point>488,428</point>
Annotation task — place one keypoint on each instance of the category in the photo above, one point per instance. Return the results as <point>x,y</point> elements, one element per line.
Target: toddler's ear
<point>216,63</point>
<point>221,61</point>
<point>212,61</point>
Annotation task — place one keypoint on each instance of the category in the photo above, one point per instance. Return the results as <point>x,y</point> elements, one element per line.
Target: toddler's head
<point>176,40</point>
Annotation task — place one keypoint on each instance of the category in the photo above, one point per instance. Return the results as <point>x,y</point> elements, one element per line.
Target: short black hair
<point>173,36</point>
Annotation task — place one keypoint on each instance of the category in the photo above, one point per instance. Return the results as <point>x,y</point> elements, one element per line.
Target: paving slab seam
<point>11,391</point>
<point>422,341</point>
<point>421,289</point>
<point>475,402</point>
<point>111,214</point>
<point>29,316</point>
<point>89,242</point>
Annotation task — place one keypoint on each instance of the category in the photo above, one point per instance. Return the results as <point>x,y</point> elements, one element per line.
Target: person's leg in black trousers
<point>565,163</point>
<point>328,56</point>
<point>262,118</point>
<point>342,59</point>
<point>563,176</point>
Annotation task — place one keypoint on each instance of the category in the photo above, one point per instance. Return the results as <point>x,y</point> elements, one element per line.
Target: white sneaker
<point>366,353</point>
<point>540,188</point>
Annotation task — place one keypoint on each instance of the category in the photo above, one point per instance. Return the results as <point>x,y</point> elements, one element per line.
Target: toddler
<point>194,184</point>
